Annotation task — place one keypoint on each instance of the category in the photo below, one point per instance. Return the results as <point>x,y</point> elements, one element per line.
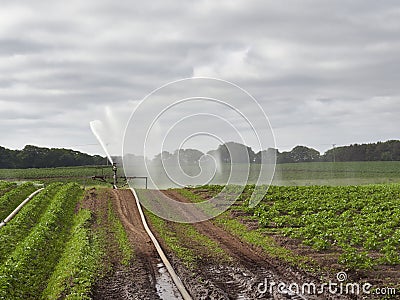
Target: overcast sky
<point>325,72</point>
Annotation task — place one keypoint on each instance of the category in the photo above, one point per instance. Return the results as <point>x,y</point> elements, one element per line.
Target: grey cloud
<point>17,46</point>
<point>313,66</point>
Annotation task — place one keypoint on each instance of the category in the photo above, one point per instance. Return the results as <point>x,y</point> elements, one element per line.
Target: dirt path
<point>144,277</point>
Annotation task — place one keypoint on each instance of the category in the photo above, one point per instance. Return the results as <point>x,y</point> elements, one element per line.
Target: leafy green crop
<point>5,186</point>
<point>362,223</point>
<point>19,227</point>
<point>10,200</point>
<point>25,272</point>
<point>360,220</point>
<point>78,265</point>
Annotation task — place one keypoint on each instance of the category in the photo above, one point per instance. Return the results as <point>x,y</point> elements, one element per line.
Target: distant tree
<point>162,157</point>
<point>232,152</point>
<point>284,157</point>
<point>39,157</point>
<point>266,156</point>
<point>379,151</point>
<point>188,156</point>
<point>7,158</point>
<point>304,154</point>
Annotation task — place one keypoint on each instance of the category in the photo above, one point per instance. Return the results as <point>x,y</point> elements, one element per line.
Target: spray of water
<point>96,127</point>
<point>194,132</point>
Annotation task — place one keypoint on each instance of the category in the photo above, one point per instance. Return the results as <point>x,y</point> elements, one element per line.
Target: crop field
<point>81,175</point>
<point>46,245</point>
<point>337,173</point>
<point>74,243</point>
<point>319,173</point>
<point>321,228</point>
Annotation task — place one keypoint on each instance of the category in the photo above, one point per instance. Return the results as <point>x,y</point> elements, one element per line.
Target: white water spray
<point>95,126</point>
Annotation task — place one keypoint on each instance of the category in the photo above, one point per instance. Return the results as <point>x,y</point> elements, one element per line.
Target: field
<point>324,173</point>
<point>33,244</point>
<point>79,240</point>
<point>81,175</point>
<point>338,173</point>
<point>359,224</point>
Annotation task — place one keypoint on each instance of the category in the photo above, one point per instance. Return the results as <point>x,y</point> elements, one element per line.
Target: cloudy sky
<point>325,72</point>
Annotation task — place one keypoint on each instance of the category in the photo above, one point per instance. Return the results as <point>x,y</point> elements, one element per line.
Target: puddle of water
<point>165,286</point>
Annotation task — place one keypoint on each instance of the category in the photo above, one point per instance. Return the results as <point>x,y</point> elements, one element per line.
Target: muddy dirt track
<point>238,278</point>
<point>144,277</point>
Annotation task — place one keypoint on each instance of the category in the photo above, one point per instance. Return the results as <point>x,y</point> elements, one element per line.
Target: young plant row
<point>5,186</point>
<point>78,266</point>
<point>12,198</point>
<point>25,272</point>
<point>18,229</point>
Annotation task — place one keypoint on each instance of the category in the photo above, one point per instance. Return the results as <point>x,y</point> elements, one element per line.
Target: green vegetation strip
<point>330,173</point>
<point>5,186</point>
<point>186,242</point>
<point>10,200</point>
<point>67,172</point>
<point>78,267</point>
<point>120,235</point>
<point>25,273</point>
<point>171,239</point>
<point>18,228</point>
<point>335,170</point>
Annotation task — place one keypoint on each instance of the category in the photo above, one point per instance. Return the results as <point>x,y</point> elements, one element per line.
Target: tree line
<point>38,157</point>
<point>231,152</point>
<point>380,151</point>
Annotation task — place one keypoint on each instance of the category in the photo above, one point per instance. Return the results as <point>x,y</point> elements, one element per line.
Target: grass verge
<point>171,240</point>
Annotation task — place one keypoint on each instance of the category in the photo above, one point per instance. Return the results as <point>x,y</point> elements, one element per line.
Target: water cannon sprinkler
<point>107,178</point>
<point>115,178</point>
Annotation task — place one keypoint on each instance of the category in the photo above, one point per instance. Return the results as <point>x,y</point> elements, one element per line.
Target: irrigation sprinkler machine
<point>115,177</point>
<point>115,170</point>
<point>97,128</point>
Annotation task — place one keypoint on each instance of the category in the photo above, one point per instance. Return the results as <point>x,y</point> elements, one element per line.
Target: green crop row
<point>5,186</point>
<point>10,200</point>
<point>16,230</point>
<point>362,221</point>
<point>120,235</point>
<point>25,272</point>
<point>78,266</point>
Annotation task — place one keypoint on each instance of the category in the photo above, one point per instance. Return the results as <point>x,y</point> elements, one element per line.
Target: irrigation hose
<point>175,277</point>
<point>15,211</point>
